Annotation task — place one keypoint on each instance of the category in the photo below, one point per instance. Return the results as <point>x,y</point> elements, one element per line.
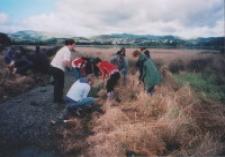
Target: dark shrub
<point>199,65</point>
<point>176,66</point>
<point>4,41</point>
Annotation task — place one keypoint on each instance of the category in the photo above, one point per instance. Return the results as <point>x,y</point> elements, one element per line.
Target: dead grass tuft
<point>172,122</point>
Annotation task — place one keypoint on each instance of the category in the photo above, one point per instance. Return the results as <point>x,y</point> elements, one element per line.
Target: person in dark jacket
<point>18,61</point>
<point>40,61</point>
<point>140,64</point>
<point>146,52</point>
<point>121,61</point>
<point>150,74</point>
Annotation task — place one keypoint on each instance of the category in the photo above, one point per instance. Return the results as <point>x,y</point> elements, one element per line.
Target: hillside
<point>34,37</point>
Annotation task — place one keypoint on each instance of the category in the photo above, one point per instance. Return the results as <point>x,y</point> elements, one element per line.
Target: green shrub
<point>205,85</point>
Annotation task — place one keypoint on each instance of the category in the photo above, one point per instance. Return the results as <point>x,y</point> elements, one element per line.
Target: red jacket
<point>78,62</point>
<point>107,68</point>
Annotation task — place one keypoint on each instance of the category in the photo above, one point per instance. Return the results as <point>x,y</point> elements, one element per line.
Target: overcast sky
<point>184,18</point>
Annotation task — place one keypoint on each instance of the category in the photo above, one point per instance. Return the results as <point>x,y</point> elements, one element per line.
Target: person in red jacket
<point>111,72</point>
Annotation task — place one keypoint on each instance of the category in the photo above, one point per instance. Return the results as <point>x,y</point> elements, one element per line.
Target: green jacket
<point>151,75</point>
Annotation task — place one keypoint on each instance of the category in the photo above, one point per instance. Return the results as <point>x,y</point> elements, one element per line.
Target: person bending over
<point>60,62</point>
<point>121,61</point>
<point>150,74</point>
<point>111,72</point>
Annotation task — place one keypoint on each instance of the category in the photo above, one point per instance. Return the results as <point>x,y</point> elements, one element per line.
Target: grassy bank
<point>205,85</point>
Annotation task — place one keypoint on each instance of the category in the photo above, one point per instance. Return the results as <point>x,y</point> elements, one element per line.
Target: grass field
<point>175,121</point>
<point>185,116</point>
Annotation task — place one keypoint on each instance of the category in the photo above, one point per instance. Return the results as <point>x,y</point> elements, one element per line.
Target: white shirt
<point>78,91</point>
<point>64,54</point>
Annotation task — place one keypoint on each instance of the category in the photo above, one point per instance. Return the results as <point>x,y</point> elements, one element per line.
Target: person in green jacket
<point>149,72</point>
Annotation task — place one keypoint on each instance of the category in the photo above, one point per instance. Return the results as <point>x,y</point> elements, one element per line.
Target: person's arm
<point>103,72</point>
<point>12,63</point>
<point>83,64</point>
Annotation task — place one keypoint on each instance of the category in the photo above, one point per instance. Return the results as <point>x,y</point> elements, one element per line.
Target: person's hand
<point>97,100</point>
<point>104,83</point>
<point>14,70</point>
<point>10,68</point>
<point>67,64</point>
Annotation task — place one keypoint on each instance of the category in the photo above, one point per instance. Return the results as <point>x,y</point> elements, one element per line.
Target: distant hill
<point>35,37</point>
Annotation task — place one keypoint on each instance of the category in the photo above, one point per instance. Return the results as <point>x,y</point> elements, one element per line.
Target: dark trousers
<point>112,81</point>
<point>58,76</point>
<point>151,90</point>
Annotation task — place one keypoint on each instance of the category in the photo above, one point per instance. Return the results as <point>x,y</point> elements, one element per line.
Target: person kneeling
<point>77,97</point>
<point>77,100</point>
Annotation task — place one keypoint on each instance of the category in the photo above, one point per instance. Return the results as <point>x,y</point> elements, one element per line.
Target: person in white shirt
<point>60,62</point>
<point>78,92</point>
<point>77,96</point>
<point>77,100</point>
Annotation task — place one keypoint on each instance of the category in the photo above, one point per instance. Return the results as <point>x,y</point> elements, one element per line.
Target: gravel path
<point>24,120</point>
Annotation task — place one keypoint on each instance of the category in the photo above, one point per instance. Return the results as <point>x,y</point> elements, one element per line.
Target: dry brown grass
<point>164,55</point>
<point>11,85</point>
<point>172,122</point>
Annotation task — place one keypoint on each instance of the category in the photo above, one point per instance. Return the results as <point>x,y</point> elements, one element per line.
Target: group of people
<point>85,69</point>
<point>20,62</point>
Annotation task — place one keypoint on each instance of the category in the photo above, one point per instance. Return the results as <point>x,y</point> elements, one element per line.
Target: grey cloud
<point>115,17</point>
<point>91,17</point>
<point>207,17</point>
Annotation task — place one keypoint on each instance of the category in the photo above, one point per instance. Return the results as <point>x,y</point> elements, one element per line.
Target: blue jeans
<point>73,105</point>
<point>76,72</point>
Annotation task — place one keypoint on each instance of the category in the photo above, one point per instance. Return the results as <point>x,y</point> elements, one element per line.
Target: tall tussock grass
<point>172,122</point>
